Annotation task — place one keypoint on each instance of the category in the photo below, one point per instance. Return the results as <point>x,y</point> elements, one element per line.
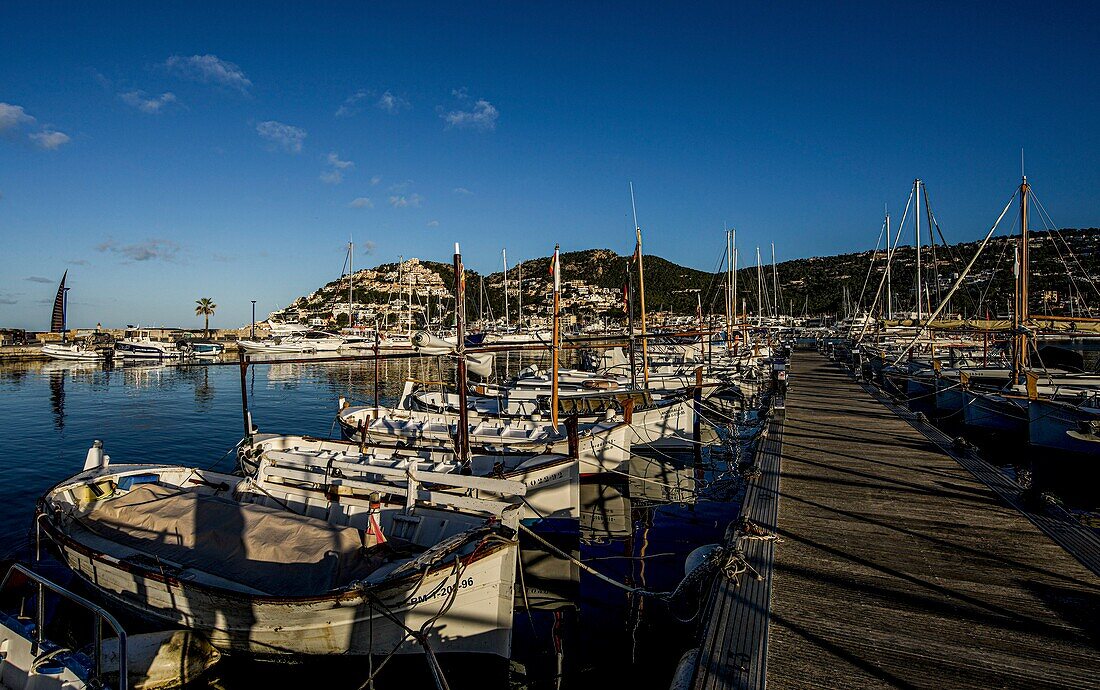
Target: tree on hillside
<point>205,307</point>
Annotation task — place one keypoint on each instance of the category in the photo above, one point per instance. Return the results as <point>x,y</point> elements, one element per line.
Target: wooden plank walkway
<point>733,652</point>
<point>900,569</point>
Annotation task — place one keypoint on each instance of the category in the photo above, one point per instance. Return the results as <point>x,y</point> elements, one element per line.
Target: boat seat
<point>263,548</point>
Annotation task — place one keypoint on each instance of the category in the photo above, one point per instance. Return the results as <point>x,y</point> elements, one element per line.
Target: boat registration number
<point>442,591</point>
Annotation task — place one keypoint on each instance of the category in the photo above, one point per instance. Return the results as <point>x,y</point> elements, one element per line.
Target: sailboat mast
<point>889,257</point>
<point>916,215</point>
<point>351,280</point>
<point>760,296</point>
<point>733,270</point>
<point>520,294</point>
<point>507,318</point>
<point>730,299</point>
<point>1021,360</point>
<point>556,342</point>
<point>630,323</point>
<point>641,289</point>
<point>775,285</point>
<point>463,445</point>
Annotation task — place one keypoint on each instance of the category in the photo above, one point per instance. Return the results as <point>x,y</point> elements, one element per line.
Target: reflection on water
<point>571,630</point>
<point>57,398</point>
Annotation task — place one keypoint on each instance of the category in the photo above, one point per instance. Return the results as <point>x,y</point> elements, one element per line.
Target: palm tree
<point>205,307</point>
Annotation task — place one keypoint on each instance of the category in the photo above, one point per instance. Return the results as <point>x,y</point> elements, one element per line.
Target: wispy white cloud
<point>461,93</point>
<point>402,200</point>
<point>482,116</point>
<point>400,186</point>
<point>38,279</point>
<point>462,191</point>
<point>374,180</point>
<point>7,298</point>
<point>49,139</point>
<point>334,160</point>
<point>350,105</point>
<point>12,116</point>
<point>209,69</point>
<point>361,202</point>
<point>288,137</point>
<point>335,173</point>
<point>153,249</point>
<point>433,223</point>
<point>77,262</point>
<point>145,104</point>
<point>392,104</point>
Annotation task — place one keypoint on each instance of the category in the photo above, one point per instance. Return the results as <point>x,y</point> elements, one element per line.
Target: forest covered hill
<point>1065,266</point>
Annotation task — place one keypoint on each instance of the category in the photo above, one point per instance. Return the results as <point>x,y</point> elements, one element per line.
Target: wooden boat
<point>602,444</point>
<point>995,411</point>
<point>300,559</point>
<point>657,420</point>
<point>551,478</point>
<point>1071,426</point>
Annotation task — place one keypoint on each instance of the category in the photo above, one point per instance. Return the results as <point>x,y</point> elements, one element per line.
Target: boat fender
<point>96,458</point>
<point>698,557</point>
<point>685,670</point>
<point>342,403</point>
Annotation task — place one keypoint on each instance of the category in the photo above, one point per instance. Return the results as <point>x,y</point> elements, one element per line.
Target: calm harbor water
<point>571,630</point>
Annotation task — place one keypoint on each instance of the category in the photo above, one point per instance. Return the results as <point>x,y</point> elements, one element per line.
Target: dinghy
<point>301,559</point>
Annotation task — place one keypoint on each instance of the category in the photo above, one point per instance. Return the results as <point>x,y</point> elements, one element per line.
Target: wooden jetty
<point>905,562</point>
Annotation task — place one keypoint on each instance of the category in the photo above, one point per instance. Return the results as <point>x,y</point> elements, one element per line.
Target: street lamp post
<point>253,332</point>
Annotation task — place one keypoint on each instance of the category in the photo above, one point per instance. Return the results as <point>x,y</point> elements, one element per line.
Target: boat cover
<point>267,549</point>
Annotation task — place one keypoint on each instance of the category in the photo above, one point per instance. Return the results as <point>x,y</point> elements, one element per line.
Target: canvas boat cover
<point>267,549</point>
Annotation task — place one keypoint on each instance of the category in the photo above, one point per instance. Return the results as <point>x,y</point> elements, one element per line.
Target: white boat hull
<point>479,620</point>
<point>71,353</point>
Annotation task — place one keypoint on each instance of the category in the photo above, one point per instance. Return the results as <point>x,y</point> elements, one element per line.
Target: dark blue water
<point>571,630</point>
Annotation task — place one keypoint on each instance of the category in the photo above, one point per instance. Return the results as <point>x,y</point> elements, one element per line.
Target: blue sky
<point>163,152</point>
